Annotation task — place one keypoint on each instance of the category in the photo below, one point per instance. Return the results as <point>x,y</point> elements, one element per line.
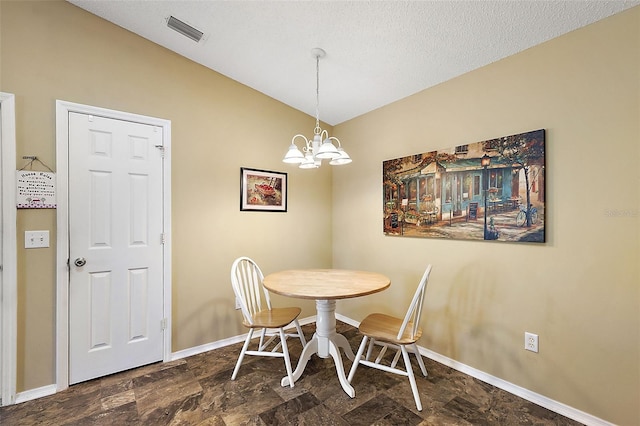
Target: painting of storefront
<point>490,190</point>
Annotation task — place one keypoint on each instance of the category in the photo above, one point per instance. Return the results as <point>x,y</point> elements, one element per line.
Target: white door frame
<point>8,332</point>
<point>63,108</point>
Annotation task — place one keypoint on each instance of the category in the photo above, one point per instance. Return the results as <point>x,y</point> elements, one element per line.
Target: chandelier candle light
<point>320,147</point>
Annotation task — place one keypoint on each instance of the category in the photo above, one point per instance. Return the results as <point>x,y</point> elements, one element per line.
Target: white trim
<point>224,342</point>
<point>347,320</point>
<point>9,255</point>
<point>308,320</point>
<point>63,108</point>
<point>35,393</point>
<point>207,347</point>
<point>543,401</point>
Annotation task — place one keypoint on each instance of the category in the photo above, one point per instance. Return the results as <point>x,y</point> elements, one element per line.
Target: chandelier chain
<point>317,130</point>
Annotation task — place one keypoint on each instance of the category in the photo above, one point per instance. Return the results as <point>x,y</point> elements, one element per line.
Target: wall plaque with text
<point>36,190</point>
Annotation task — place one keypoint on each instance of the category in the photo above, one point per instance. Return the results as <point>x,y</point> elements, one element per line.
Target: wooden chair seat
<point>385,328</point>
<point>273,318</point>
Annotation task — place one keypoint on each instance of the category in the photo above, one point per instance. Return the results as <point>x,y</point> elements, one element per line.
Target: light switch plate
<point>36,239</point>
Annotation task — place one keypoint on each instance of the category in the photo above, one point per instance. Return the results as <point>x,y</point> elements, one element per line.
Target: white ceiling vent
<point>184,29</point>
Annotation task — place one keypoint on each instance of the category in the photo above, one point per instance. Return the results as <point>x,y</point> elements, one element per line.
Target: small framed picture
<point>262,190</point>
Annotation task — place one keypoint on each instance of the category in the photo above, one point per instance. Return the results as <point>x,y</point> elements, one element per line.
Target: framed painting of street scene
<point>490,190</point>
<point>263,190</point>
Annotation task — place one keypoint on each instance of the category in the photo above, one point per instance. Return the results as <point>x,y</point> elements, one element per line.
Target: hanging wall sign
<point>36,190</point>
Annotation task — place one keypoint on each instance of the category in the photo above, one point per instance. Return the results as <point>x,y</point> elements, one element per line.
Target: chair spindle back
<point>415,308</point>
<point>246,280</point>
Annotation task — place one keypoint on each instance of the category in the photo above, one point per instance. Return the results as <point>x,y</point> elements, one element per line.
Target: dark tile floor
<point>198,391</point>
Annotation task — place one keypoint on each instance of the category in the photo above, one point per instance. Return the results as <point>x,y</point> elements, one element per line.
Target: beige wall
<point>54,50</point>
<point>579,290</point>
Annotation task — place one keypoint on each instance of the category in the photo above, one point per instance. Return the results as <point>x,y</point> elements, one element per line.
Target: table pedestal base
<point>326,343</point>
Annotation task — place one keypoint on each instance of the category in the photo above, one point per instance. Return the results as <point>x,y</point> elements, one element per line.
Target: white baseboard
<point>35,393</point>
<point>543,401</point>
<point>222,343</point>
<point>348,320</point>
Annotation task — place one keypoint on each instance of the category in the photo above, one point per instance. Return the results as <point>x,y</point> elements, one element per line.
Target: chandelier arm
<point>333,138</point>
<point>307,142</point>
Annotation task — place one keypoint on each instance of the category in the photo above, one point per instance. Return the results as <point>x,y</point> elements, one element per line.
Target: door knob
<point>81,261</point>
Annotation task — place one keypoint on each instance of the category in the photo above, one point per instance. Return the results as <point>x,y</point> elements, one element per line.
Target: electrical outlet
<point>238,304</point>
<point>531,342</point>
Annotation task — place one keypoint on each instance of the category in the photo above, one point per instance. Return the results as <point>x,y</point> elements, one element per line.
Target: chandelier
<point>321,146</point>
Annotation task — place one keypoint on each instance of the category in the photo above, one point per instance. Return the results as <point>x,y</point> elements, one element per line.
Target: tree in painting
<point>525,150</point>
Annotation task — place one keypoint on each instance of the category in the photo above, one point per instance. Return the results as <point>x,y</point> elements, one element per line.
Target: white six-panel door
<point>115,246</point>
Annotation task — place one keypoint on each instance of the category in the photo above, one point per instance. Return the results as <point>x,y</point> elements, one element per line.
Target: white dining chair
<point>395,333</point>
<point>259,315</point>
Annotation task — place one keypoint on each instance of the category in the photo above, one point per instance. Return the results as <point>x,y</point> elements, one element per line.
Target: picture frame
<point>263,190</point>
<point>490,190</point>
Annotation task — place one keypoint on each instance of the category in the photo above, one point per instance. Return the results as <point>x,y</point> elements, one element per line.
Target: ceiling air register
<point>184,29</point>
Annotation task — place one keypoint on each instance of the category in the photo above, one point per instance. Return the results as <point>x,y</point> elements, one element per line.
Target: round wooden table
<point>325,286</point>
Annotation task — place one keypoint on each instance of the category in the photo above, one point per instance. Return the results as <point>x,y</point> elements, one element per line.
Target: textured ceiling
<point>377,51</point>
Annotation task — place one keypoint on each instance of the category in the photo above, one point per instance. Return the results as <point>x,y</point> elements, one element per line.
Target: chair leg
<point>396,357</point>
<point>370,350</point>
<point>242,352</point>
<point>287,360</point>
<point>261,344</point>
<point>300,333</point>
<point>357,359</point>
<point>412,379</point>
<point>420,361</point>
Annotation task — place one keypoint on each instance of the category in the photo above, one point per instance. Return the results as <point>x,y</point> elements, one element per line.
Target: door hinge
<point>161,148</point>
<point>163,323</point>
<point>163,238</point>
